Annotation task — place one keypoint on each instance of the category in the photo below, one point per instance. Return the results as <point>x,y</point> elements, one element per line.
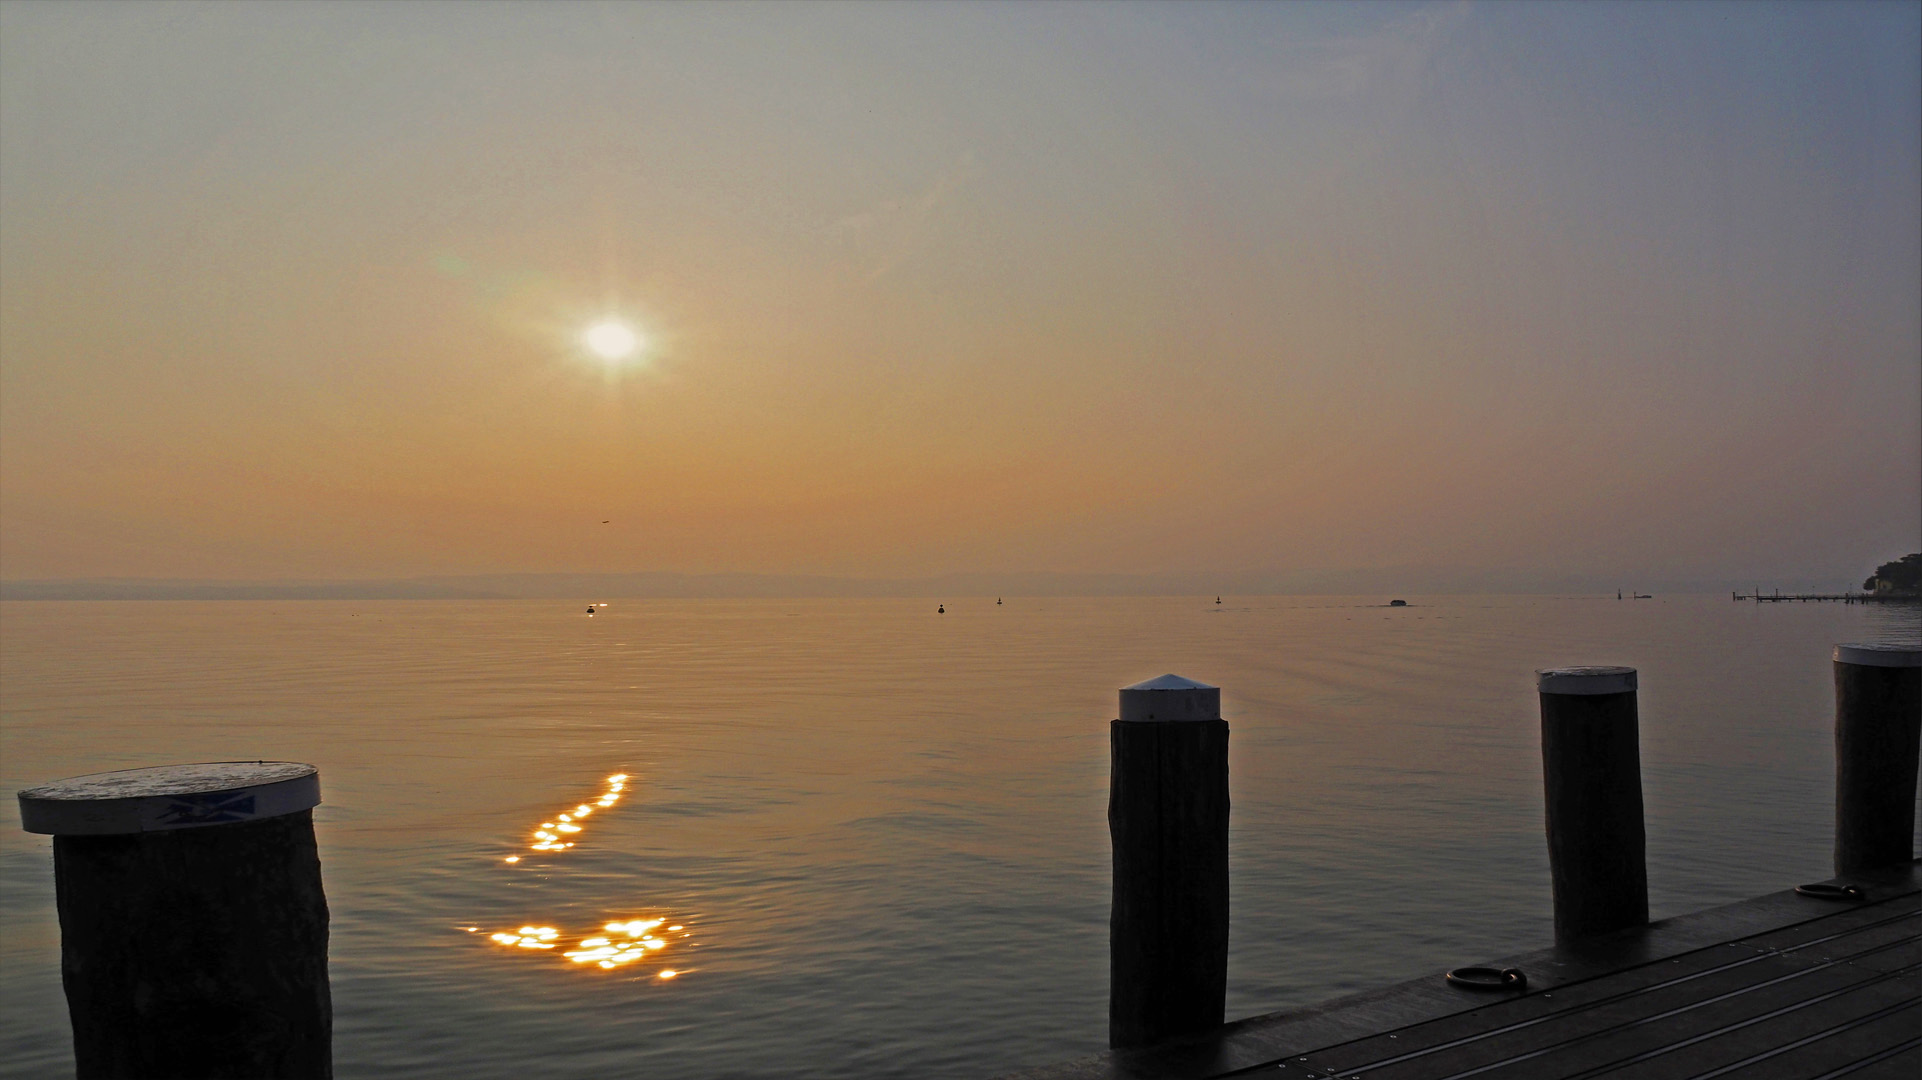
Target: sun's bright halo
<point>611,340</point>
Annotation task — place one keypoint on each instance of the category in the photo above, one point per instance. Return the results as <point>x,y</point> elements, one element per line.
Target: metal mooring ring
<point>1488,978</point>
<point>1822,890</point>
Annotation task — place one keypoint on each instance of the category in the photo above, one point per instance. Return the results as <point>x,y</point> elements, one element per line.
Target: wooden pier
<point>1781,986</point>
<point>1816,982</point>
<point>1760,597</point>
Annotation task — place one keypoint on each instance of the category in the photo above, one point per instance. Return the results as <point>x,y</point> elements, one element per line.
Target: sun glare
<point>611,340</point>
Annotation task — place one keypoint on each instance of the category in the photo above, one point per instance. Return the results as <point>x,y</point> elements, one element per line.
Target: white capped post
<point>193,925</point>
<point>1168,820</point>
<point>1878,726</point>
<point>1592,775</point>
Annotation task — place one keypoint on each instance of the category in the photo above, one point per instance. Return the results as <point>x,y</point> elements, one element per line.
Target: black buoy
<point>997,601</point>
<point>1217,599</point>
<point>1397,603</point>
<point>940,609</point>
<point>590,611</point>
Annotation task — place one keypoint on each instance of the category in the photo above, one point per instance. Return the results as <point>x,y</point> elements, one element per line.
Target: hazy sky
<point>296,290</point>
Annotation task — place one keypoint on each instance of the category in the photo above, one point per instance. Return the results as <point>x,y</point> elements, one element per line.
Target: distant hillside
<point>1902,577</point>
<point>163,589</point>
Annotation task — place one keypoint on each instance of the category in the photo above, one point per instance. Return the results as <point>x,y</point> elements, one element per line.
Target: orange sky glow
<point>299,291</point>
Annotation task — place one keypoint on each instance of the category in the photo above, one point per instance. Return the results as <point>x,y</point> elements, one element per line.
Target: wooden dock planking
<point>1780,986</point>
<point>1903,1063</point>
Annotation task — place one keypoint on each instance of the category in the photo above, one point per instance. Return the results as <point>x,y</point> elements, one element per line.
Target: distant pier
<point>1824,598</point>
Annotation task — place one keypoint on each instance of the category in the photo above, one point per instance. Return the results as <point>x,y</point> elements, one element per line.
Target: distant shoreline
<point>1413,582</point>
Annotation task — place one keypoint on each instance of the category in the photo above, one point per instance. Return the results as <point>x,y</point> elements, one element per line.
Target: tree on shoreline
<point>1903,577</point>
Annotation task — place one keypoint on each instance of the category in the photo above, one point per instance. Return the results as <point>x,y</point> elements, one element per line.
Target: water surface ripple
<point>883,829</point>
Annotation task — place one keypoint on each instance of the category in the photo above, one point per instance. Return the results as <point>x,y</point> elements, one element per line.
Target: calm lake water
<point>882,831</point>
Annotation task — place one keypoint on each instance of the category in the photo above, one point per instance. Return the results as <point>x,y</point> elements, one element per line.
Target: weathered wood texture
<point>1797,1003</point>
<point>1878,726</point>
<point>1168,932</point>
<point>1780,986</point>
<point>1592,771</point>
<point>196,952</point>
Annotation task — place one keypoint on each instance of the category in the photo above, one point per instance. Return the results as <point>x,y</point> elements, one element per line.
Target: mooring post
<point>1878,724</point>
<point>1168,819</point>
<point>1592,769</point>
<point>193,928</point>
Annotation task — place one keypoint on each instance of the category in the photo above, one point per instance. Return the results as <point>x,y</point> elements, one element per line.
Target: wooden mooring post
<point>1592,772</point>
<point>193,926</point>
<point>1816,981</point>
<point>1878,725</point>
<point>1168,820</point>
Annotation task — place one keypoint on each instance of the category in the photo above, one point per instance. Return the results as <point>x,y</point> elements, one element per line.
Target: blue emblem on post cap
<point>169,797</point>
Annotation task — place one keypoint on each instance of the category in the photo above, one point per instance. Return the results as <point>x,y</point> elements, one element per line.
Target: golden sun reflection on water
<point>619,943</point>
<point>557,835</point>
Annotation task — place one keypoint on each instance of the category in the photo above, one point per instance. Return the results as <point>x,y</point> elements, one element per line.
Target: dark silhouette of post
<point>193,928</point>
<point>1168,819</point>
<point>1592,770</point>
<point>1878,724</point>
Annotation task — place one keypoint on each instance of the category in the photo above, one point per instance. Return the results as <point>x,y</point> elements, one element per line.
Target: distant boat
<point>1397,603</point>
<point>1644,596</point>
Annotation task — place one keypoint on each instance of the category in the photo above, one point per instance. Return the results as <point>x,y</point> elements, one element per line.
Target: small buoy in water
<point>940,609</point>
<point>590,611</point>
<point>997,601</point>
<point>1217,599</point>
<point>1397,603</point>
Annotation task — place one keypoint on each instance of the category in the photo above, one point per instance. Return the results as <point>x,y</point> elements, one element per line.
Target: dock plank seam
<point>1779,928</point>
<point>1825,963</point>
<point>1754,1059</point>
<point>1857,1066</point>
<point>1707,1035</point>
<point>1612,999</point>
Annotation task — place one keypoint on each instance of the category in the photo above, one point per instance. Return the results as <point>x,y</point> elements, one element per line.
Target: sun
<point>611,340</point>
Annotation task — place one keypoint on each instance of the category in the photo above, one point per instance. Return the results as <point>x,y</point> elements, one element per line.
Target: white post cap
<point>1170,697</point>
<point>169,797</point>
<point>1585,681</point>
<point>1879,654</point>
